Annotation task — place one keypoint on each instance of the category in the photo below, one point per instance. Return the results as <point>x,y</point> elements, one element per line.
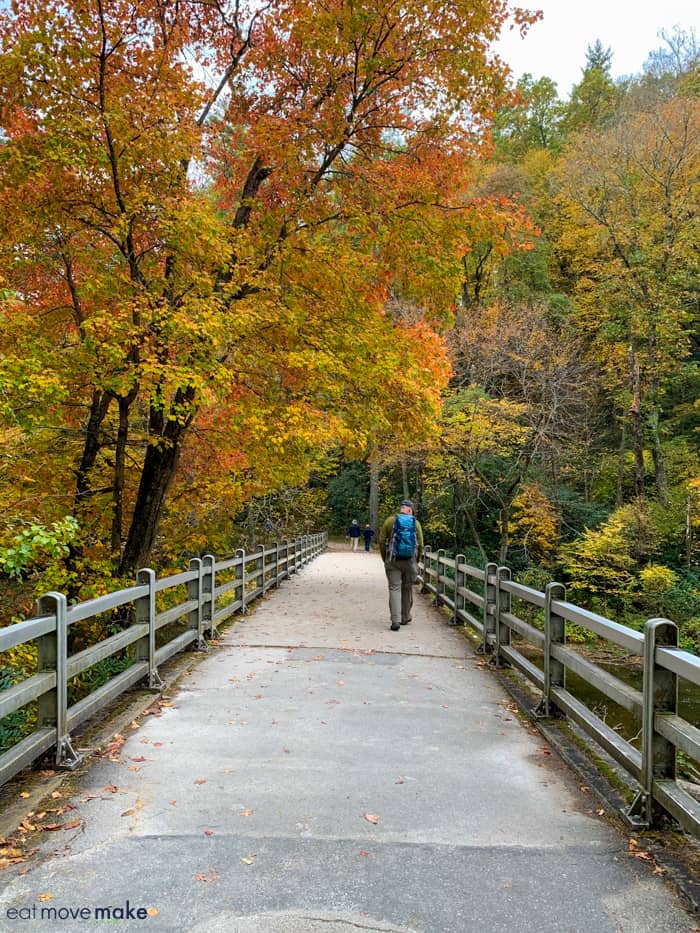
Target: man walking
<point>354,533</point>
<point>401,546</point>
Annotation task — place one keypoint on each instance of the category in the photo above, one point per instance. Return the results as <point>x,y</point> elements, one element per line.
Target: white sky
<point>556,46</point>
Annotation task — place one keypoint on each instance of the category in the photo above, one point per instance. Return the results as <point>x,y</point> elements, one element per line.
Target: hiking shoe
<point>395,628</point>
<point>406,622</point>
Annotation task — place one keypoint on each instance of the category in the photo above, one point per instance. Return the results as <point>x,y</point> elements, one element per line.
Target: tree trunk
<point>658,458</point>
<point>119,475</point>
<point>637,429</point>
<point>374,490</point>
<point>619,488</point>
<point>404,477</point>
<point>159,467</point>
<point>98,412</point>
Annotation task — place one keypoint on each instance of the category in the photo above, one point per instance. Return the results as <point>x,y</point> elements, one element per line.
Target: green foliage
<point>348,495</point>
<point>38,547</point>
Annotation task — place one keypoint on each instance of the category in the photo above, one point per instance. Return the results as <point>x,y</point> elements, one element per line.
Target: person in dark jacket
<point>367,535</point>
<point>354,534</point>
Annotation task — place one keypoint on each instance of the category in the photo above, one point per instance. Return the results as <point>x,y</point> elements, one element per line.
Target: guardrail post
<point>260,570</point>
<point>460,584</point>
<point>490,591</point>
<point>285,547</point>
<point>209,595</point>
<point>277,565</point>
<point>53,656</point>
<point>503,605</point>
<point>659,697</point>
<point>427,555</point>
<point>239,588</point>
<point>554,671</point>
<point>439,584</point>
<point>145,612</point>
<point>195,591</point>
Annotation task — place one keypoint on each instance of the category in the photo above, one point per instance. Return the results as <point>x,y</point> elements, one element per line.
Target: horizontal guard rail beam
<point>84,660</point>
<point>18,695</point>
<point>613,688</point>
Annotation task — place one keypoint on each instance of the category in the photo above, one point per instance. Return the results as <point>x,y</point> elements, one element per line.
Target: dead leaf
<point>56,795</point>
<point>73,824</point>
<point>543,750</point>
<point>364,852</point>
<point>246,813</point>
<point>341,683</point>
<point>371,818</point>
<point>51,826</point>
<point>152,911</point>
<point>45,897</point>
<point>111,789</point>
<point>129,812</point>
<point>133,768</point>
<point>24,794</point>
<point>247,861</point>
<point>399,780</point>
<point>139,758</point>
<point>173,803</point>
<point>134,725</point>
<point>158,744</point>
<point>208,832</point>
<point>200,781</point>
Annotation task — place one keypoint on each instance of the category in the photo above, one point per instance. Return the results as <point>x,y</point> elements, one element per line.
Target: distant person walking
<point>367,534</point>
<point>354,534</point>
<point>401,547</point>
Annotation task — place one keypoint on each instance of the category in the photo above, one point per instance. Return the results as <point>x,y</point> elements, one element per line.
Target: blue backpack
<point>404,541</point>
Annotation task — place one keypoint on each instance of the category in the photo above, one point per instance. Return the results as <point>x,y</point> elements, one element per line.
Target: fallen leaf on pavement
<point>45,897</point>
<point>246,813</point>
<point>371,818</point>
<point>24,794</point>
<point>111,789</point>
<point>208,832</point>
<point>129,812</point>
<point>201,781</point>
<point>73,824</point>
<point>364,852</point>
<point>399,780</point>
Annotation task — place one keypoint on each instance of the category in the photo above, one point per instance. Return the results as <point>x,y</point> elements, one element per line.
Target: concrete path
<point>319,773</point>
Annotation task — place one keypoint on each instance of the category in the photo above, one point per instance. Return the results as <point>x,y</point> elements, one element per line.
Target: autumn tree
<point>202,208</point>
<point>630,199</point>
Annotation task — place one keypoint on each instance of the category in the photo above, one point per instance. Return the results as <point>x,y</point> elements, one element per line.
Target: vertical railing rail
<point>460,601</point>
<point>439,581</point>
<point>427,555</point>
<point>53,656</point>
<point>554,634</point>
<point>145,614</point>
<point>503,605</point>
<point>660,697</point>
<point>240,577</point>
<point>209,595</point>
<point>489,617</point>
<point>195,593</point>
<point>278,575</point>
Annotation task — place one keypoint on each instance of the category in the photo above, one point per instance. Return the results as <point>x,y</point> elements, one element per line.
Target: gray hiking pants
<point>401,574</point>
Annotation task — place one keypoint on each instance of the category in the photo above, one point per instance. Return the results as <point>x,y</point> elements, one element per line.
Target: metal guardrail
<point>662,730</point>
<point>209,602</point>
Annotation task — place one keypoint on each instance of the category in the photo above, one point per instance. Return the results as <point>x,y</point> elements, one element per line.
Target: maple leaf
<point>371,818</point>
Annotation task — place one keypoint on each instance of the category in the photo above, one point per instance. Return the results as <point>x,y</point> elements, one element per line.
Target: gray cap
<point>407,503</point>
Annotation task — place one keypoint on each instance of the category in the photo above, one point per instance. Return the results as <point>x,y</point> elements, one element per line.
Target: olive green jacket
<point>386,532</point>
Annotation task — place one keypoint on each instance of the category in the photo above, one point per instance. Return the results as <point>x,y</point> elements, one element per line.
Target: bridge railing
<point>157,618</point>
<point>494,609</point>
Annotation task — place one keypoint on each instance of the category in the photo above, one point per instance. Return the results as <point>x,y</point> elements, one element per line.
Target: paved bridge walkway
<point>318,773</point>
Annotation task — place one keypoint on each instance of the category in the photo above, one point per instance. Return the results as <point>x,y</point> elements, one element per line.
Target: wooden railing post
<point>209,595</point>
<point>460,583</point>
<point>145,613</point>
<point>195,591</point>
<point>53,656</point>
<point>239,589</point>
<point>503,605</point>
<point>554,670</point>
<point>489,617</point>
<point>660,697</point>
<point>440,584</point>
